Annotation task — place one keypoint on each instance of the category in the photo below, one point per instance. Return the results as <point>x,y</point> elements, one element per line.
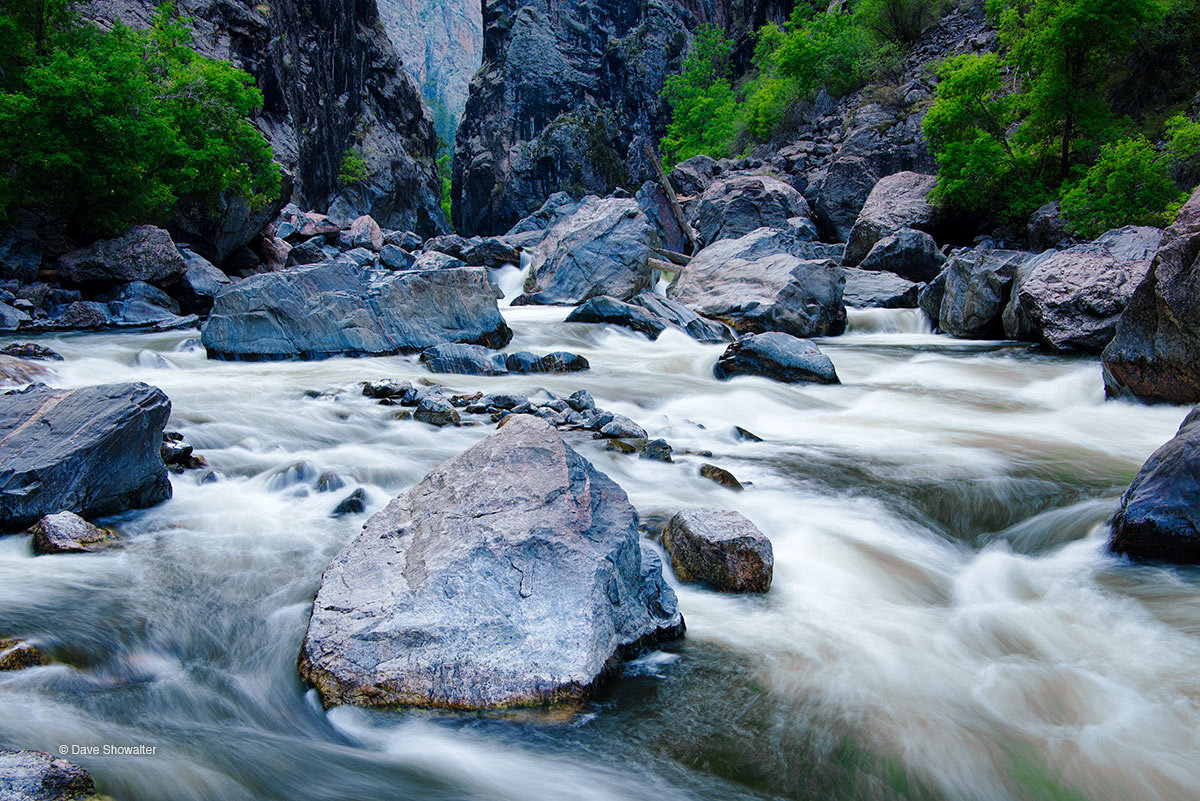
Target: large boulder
<point>908,253</point>
<point>898,201</point>
<point>1155,355</point>
<point>1159,518</point>
<point>603,248</point>
<point>200,283</point>
<point>737,204</point>
<point>218,228</point>
<point>763,282</point>
<point>37,776</point>
<point>975,287</point>
<point>693,176</point>
<point>94,451</point>
<point>143,253</point>
<point>720,548</point>
<point>779,357</point>
<point>653,200</point>
<point>342,309</point>
<point>1070,299</point>
<point>512,575</point>
<point>676,314</point>
<point>866,289</point>
<point>20,256</point>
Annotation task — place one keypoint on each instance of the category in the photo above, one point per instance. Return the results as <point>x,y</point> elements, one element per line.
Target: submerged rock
<point>511,575</point>
<point>342,309</point>
<point>720,548</point>
<point>37,776</point>
<point>94,451</point>
<point>779,357</point>
<point>1159,518</point>
<point>18,655</point>
<point>611,311</point>
<point>720,476</point>
<point>67,532</point>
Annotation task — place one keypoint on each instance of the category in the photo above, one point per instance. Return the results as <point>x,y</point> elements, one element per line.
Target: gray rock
<point>311,251</point>
<point>395,258</point>
<point>200,283</point>
<point>18,655</point>
<point>94,451</point>
<point>908,253</point>
<point>621,427</point>
<point>1155,355</point>
<point>1047,228</point>
<point>603,248</point>
<point>67,532</point>
<point>693,176</point>
<point>1159,518</point>
<point>434,260</point>
<point>218,228</point>
<point>737,204</point>
<point>1069,300</point>
<point>386,389</point>
<point>461,359</point>
<point>20,256</point>
<point>339,309</point>
<point>610,311</point>
<point>865,289</point>
<point>898,201</point>
<point>365,233</point>
<point>680,316</point>
<point>143,253</point>
<point>657,450</point>
<point>581,401</point>
<point>976,285</point>
<point>654,202</point>
<point>720,548</point>
<point>517,562</point>
<point>777,356</point>
<point>758,283</point>
<point>436,411</point>
<point>37,776</point>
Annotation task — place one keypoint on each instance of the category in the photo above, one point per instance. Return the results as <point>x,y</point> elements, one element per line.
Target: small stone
<point>581,401</point>
<point>657,450</point>
<point>436,411</point>
<point>31,351</point>
<point>721,476</point>
<point>18,655</point>
<point>386,389</point>
<point>620,446</point>
<point>720,548</point>
<point>67,532</point>
<point>746,436</point>
<point>353,504</point>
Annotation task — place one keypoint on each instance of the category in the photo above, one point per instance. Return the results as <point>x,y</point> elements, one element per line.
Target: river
<point>944,621</point>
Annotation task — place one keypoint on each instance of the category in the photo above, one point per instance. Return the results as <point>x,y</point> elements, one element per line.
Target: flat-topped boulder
<point>94,451</point>
<point>866,289</point>
<point>720,548</point>
<point>908,253</point>
<point>601,248</point>
<point>511,575</point>
<point>37,776</point>
<point>1159,518</point>
<point>780,357</point>
<point>765,281</point>
<point>342,309</point>
<point>143,253</point>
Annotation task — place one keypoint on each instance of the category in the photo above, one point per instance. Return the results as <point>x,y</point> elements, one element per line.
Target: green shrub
<point>704,110</point>
<point>106,129</point>
<point>353,169</point>
<point>445,174</point>
<point>1130,184</point>
<point>901,21</point>
<point>1183,150</point>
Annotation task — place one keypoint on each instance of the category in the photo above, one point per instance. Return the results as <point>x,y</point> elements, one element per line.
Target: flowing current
<point>944,621</point>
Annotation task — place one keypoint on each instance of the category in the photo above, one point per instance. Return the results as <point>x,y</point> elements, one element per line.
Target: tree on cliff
<point>104,129</point>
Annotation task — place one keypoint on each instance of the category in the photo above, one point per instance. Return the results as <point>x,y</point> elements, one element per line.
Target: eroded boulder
<point>516,562</point>
<point>898,201</point>
<point>37,776</point>
<point>720,548</point>
<point>143,253</point>
<point>737,204</point>
<point>975,286</point>
<point>67,532</point>
<point>777,356</point>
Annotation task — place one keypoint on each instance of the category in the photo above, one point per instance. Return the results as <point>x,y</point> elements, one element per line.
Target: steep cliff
<point>568,95</point>
<point>441,44</point>
<point>331,81</point>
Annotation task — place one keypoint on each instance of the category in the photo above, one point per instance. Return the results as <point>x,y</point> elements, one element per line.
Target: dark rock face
<point>654,202</point>
<point>516,561</point>
<point>614,312</point>
<point>568,97</point>
<point>1155,355</point>
<point>603,248</point>
<point>720,548</point>
<point>93,451</point>
<point>330,77</point>
<point>219,230</point>
<point>1047,228</point>
<point>143,253</point>
<point>693,176</point>
<point>1070,299</point>
<point>976,285</point>
<point>20,256</point>
<point>908,253</point>
<point>758,283</point>
<point>1159,518</point>
<point>865,290</point>
<point>343,309</point>
<point>37,776</point>
<point>779,357</point>
<point>898,201</point>
<point>67,532</point>
<point>200,283</point>
<point>733,206</point>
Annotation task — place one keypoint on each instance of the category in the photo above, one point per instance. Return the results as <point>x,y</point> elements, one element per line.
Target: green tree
<point>1062,50</point>
<point>353,169</point>
<point>106,129</point>
<point>704,109</point>
<point>1130,184</point>
<point>901,21</point>
<point>1183,150</point>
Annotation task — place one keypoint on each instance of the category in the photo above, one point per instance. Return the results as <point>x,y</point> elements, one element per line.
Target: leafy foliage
<point>900,21</point>
<point>1183,150</point>
<point>105,129</point>
<point>705,115</point>
<point>353,169</point>
<point>1130,184</point>
<point>445,172</point>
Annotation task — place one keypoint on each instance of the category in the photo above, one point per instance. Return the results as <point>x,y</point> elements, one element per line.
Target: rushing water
<point>944,622</point>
